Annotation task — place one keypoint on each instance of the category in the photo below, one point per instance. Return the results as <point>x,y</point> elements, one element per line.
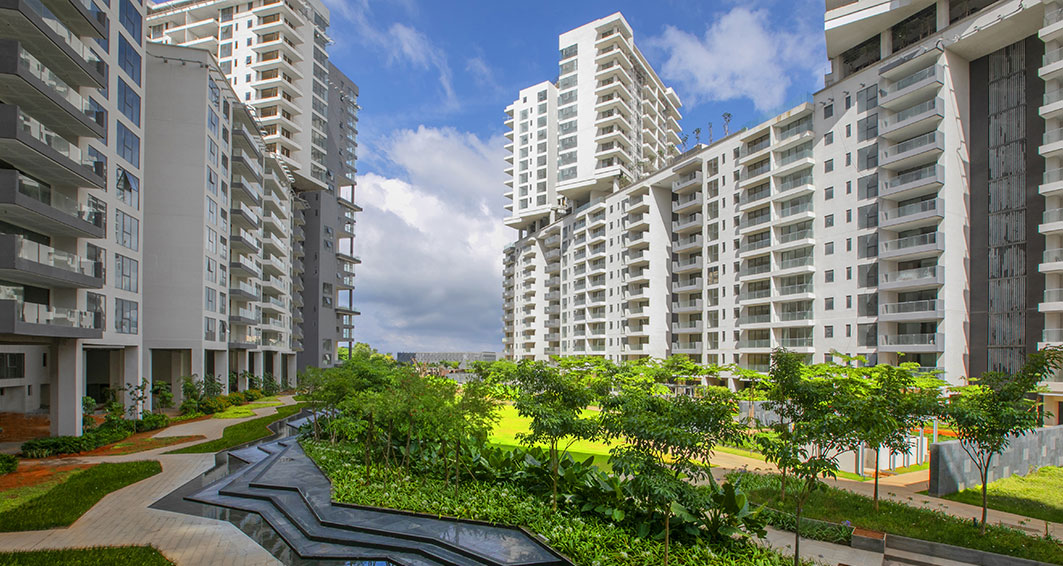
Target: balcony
<point>686,182</point>
<point>694,327</point>
<point>243,214</point>
<point>244,290</point>
<point>685,285</point>
<point>911,215</point>
<point>920,84</point>
<point>246,164</point>
<point>755,295</point>
<point>930,276</point>
<point>912,343</point>
<point>792,265</point>
<point>245,266</point>
<point>694,305</point>
<point>912,121</point>
<point>37,150</point>
<point>687,203</point>
<point>687,223</point>
<point>690,243</point>
<point>796,342</point>
<point>921,245</point>
<point>686,347</point>
<point>685,266</point>
<point>59,47</point>
<point>912,310</point>
<point>913,152</point>
<point>754,245</point>
<point>754,319</point>
<point>32,319</point>
<point>799,289</point>
<point>39,91</point>
<point>29,263</point>
<point>25,202</point>
<point>754,344</point>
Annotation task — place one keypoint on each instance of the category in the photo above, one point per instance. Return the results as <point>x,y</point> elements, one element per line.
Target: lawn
<point>242,433</point>
<point>98,556</point>
<point>66,501</point>
<point>34,484</point>
<point>836,505</point>
<point>141,442</point>
<point>243,411</point>
<point>1038,494</point>
<point>511,424</point>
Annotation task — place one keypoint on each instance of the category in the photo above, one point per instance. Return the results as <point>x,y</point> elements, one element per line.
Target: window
<point>209,326</point>
<point>828,166</point>
<point>828,248</point>
<point>828,303</point>
<point>828,193</point>
<point>128,144</point>
<point>212,211</point>
<point>126,273</point>
<point>828,276</point>
<point>125,316</point>
<point>828,221</point>
<point>213,121</point>
<point>211,299</point>
<point>828,138</point>
<point>213,93</point>
<point>848,301</point>
<point>212,271</point>
<point>848,244</point>
<point>128,102</point>
<point>849,215</point>
<point>128,188</point>
<point>127,230</point>
<point>130,18</point>
<point>828,332</point>
<point>848,159</point>
<point>848,273</point>
<point>212,152</point>
<point>129,59</point>
<point>848,130</point>
<point>212,240</point>
<point>828,111</point>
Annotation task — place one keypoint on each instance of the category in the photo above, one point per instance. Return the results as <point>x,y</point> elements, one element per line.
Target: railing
<point>751,172</point>
<point>1052,176</point>
<point>794,236</point>
<point>33,313</point>
<point>52,80</point>
<point>791,157</point>
<point>45,194</point>
<point>927,305</point>
<point>799,127</point>
<point>761,193</point>
<point>798,342</point>
<point>914,208</point>
<point>791,210</point>
<point>909,242</point>
<point>758,343</point>
<point>47,255</point>
<point>787,316</point>
<point>755,269</point>
<point>793,262</point>
<point>911,79</point>
<point>754,318</point>
<point>910,274</point>
<point>756,146</point>
<point>695,304</point>
<point>912,144</point>
<point>910,112</point>
<point>793,183</point>
<point>1053,14</point>
<point>246,287</point>
<point>45,135</point>
<point>911,339</point>
<point>755,220</point>
<point>1053,96</point>
<point>754,294</point>
<point>1053,56</point>
<point>64,33</point>
<point>795,289</point>
<point>755,244</point>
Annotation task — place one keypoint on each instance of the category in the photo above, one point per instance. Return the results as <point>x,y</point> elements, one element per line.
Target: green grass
<point>1038,495</point>
<point>836,505</point>
<point>912,468</point>
<point>11,498</point>
<point>64,503</point>
<point>240,433</point>
<point>248,410</point>
<point>98,556</point>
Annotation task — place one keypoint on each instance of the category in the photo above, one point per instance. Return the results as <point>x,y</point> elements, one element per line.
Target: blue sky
<point>435,78</point>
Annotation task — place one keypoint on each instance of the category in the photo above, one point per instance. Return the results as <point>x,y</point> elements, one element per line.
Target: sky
<point>434,80</point>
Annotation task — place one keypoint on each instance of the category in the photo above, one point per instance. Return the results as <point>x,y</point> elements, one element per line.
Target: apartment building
<point>218,229</point>
<point>902,214</point>
<point>71,126</point>
<point>330,233</point>
<point>274,55</point>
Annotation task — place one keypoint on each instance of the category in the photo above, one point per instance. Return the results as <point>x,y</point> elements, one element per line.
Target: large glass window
<point>129,59</point>
<point>128,144</point>
<point>127,230</point>
<point>213,121</point>
<point>126,273</point>
<point>128,102</point>
<point>125,316</point>
<point>130,18</point>
<point>128,188</point>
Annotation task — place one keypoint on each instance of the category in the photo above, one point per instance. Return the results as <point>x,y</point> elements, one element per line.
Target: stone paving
<point>123,517</point>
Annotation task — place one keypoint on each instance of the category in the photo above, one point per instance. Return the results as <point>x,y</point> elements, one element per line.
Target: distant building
<point>463,358</point>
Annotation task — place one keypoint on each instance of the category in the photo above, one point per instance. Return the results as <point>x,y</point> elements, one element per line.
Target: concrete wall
<point>951,470</point>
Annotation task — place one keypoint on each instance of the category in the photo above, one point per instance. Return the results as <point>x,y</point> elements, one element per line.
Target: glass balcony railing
<point>64,33</point>
<point>911,79</point>
<point>787,316</point>
<point>910,112</point>
<point>794,236</point>
<point>796,342</point>
<point>796,262</point>
<point>247,287</point>
<point>911,339</point>
<point>795,209</point>
<point>790,157</point>
<point>33,313</point>
<point>910,242</point>
<point>47,255</point>
<point>912,176</point>
<point>793,182</point>
<point>52,80</point>
<point>913,144</point>
<point>929,305</point>
<point>45,135</point>
<point>795,289</point>
<point>910,274</point>
<point>910,209</point>
<point>45,194</point>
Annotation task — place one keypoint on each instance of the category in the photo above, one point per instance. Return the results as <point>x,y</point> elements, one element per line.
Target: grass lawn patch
<point>1038,494</point>
<point>32,481</point>
<point>240,433</point>
<point>913,468</point>
<point>244,411</point>
<point>141,442</point>
<point>586,539</point>
<point>511,424</point>
<point>838,506</point>
<point>98,556</point>
<point>64,503</point>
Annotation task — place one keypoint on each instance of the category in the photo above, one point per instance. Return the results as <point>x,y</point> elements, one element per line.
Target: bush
<point>269,384</point>
<point>163,395</point>
<point>236,398</point>
<point>212,405</point>
<point>189,407</point>
<point>108,433</point>
<point>8,464</point>
<point>253,395</point>
<point>152,421</point>
<point>88,405</point>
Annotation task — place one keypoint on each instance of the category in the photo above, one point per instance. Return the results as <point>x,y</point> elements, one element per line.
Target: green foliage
<point>8,464</point>
<point>152,421</point>
<point>1038,495</point>
<point>236,398</point>
<point>211,405</point>
<point>252,380</point>
<point>212,386</point>
<point>918,519</point>
<point>88,405</point>
<point>269,384</point>
<point>242,433</point>
<point>253,395</point>
<point>63,504</point>
<point>96,556</point>
<point>997,407</point>
<point>163,396</point>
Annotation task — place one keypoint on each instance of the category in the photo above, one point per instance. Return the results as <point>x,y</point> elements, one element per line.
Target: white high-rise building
<point>909,212</point>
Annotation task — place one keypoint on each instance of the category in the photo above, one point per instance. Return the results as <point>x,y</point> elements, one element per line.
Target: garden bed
<point>242,433</point>
<point>1038,495</point>
<point>97,556</point>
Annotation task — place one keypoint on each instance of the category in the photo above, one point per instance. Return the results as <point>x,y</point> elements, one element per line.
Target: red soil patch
<point>19,427</point>
<point>33,472</point>
<point>139,443</point>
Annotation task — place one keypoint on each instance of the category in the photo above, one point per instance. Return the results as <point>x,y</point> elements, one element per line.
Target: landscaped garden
<point>601,460</point>
<point>1039,494</point>
<point>242,433</point>
<point>99,556</point>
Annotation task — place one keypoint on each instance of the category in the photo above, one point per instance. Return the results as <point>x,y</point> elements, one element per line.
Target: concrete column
<point>291,373</point>
<point>146,375</point>
<point>221,367</point>
<point>131,378</point>
<point>256,363</point>
<point>943,14</point>
<point>68,387</point>
<point>886,44</point>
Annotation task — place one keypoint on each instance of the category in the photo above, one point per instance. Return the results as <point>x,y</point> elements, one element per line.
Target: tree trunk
<point>782,492</point>
<point>877,449</point>
<point>667,533</point>
<point>985,482</point>
<point>553,474</point>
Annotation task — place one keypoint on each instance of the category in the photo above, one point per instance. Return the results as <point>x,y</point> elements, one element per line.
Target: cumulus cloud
<point>431,244</point>
<point>399,43</point>
<point>742,54</point>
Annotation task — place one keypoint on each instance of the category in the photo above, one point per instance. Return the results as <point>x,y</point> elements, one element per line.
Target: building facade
<point>213,183</point>
<point>907,212</point>
<point>70,212</point>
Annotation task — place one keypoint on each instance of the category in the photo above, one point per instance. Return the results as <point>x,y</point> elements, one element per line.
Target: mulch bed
<point>19,427</point>
<point>139,442</point>
<point>33,472</point>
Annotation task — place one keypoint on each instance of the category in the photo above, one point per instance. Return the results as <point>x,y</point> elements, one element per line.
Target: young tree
<point>996,407</point>
<point>555,401</point>
<point>476,409</point>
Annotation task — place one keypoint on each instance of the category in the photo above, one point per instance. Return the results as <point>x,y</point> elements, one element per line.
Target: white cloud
<point>398,42</point>
<point>481,73</point>
<point>431,245</point>
<point>741,55</point>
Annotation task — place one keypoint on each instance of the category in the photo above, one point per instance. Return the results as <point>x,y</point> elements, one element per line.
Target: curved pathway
<point>123,517</point>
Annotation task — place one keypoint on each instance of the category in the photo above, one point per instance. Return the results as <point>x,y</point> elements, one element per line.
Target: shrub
<point>269,384</point>
<point>152,421</point>
<point>212,386</point>
<point>237,398</point>
<point>88,405</point>
<point>163,396</point>
<point>189,407</point>
<point>212,405</point>
<point>253,395</point>
<point>8,464</point>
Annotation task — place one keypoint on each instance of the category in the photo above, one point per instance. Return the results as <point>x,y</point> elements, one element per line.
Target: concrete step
<point>894,557</point>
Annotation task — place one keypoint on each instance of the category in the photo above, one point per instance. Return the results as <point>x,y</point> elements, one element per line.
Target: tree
<point>813,429</point>
<point>997,407</point>
<point>668,443</point>
<point>555,401</point>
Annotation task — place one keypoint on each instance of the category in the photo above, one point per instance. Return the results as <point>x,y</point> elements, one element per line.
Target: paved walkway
<point>123,517</point>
